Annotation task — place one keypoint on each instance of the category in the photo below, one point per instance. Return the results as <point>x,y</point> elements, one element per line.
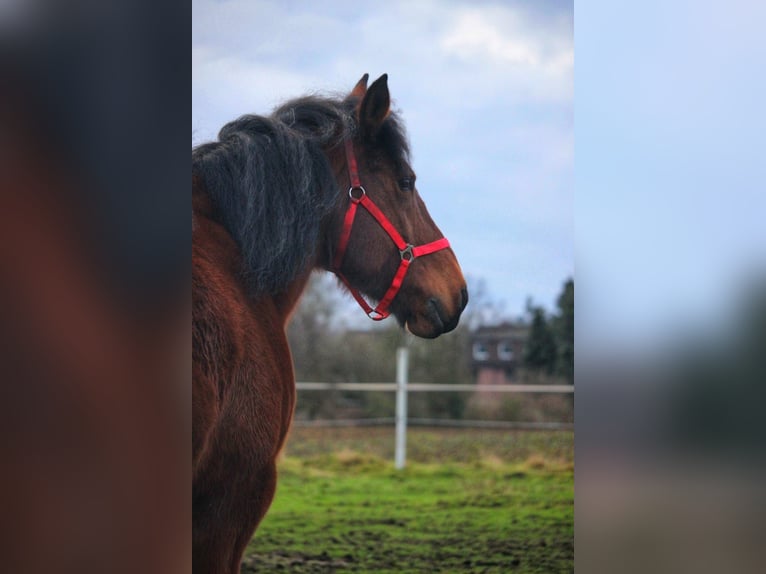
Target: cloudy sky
<point>486,91</point>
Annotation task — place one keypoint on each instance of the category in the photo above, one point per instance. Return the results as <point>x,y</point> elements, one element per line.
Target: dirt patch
<point>298,562</point>
<point>449,555</point>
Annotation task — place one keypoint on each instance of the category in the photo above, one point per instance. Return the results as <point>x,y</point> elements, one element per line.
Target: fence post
<point>402,356</point>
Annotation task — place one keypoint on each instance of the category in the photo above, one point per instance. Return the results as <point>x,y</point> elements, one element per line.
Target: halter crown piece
<point>408,252</point>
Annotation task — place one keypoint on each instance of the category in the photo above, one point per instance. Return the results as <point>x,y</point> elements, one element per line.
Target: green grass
<point>492,505</point>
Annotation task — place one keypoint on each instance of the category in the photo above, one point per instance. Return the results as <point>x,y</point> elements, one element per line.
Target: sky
<point>486,90</point>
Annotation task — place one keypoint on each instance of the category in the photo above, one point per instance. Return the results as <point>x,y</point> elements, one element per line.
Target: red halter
<point>407,251</point>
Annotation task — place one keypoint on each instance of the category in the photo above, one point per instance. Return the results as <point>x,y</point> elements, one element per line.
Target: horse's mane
<point>271,184</point>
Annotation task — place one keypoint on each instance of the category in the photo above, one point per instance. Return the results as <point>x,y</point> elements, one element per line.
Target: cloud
<point>510,53</point>
<point>462,54</point>
<point>475,37</point>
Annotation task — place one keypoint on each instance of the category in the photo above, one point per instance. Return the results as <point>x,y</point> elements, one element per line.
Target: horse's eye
<point>406,184</point>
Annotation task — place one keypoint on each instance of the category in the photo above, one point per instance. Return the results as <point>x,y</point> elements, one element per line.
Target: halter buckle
<point>356,188</point>
<point>406,254</point>
<point>376,315</point>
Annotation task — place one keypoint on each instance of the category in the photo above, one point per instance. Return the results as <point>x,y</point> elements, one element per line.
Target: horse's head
<point>382,240</point>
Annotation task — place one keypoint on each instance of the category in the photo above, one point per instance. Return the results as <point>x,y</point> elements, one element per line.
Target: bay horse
<point>321,183</point>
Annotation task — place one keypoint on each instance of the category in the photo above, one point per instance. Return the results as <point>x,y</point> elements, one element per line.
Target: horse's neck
<point>284,301</point>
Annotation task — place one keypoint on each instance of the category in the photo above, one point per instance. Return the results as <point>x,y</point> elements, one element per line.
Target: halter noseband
<point>408,252</point>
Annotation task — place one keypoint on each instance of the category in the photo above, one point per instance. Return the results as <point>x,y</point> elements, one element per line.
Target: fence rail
<point>436,387</point>
<point>401,387</point>
<point>448,423</point>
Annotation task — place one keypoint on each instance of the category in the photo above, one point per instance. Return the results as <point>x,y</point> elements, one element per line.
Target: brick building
<point>497,352</point>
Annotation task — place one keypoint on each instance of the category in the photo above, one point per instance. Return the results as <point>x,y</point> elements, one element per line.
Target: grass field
<point>468,501</point>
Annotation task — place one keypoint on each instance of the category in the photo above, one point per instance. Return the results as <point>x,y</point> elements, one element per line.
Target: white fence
<point>402,387</point>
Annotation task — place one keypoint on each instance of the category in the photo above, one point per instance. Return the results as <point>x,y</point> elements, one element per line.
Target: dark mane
<point>271,184</point>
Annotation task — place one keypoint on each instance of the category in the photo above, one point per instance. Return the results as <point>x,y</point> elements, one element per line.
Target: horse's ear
<point>361,88</point>
<point>375,107</point>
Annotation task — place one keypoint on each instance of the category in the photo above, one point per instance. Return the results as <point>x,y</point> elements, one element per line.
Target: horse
<point>323,183</point>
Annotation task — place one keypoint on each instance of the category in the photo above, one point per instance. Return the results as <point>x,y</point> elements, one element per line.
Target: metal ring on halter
<point>406,254</point>
<point>351,193</point>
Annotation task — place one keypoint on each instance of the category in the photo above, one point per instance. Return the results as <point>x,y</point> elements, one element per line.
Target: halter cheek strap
<point>408,252</point>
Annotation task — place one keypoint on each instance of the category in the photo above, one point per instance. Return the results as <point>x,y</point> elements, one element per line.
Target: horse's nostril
<point>463,298</point>
<point>433,302</point>
<point>436,310</point>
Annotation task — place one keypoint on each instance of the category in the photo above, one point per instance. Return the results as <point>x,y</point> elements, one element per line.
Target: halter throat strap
<point>408,252</point>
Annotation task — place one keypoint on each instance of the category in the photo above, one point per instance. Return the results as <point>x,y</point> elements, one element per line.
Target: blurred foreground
<point>94,297</point>
<point>671,465</point>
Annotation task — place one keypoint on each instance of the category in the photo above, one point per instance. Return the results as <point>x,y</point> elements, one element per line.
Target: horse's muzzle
<point>436,318</point>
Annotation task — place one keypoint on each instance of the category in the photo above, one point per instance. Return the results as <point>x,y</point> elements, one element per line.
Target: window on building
<point>505,351</point>
<point>480,351</point>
